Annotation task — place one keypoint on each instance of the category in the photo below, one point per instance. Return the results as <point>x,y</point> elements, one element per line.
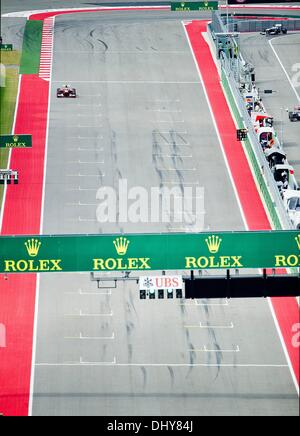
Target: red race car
<point>66,92</point>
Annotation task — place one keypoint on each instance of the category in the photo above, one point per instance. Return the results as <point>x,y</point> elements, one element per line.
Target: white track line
<point>284,70</point>
<point>207,326</point>
<point>89,292</point>
<point>163,365</point>
<point>36,312</point>
<point>287,356</point>
<point>88,315</point>
<point>215,350</point>
<point>81,337</point>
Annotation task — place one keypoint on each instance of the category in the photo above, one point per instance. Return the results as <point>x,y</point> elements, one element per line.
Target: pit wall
<point>256,169</point>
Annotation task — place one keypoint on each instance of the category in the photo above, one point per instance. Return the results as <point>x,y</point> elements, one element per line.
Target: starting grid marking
<point>47,49</point>
<point>115,364</point>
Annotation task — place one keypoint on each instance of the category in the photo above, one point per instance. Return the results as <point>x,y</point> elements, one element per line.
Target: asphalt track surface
<point>270,75</point>
<point>123,356</point>
<point>12,30</point>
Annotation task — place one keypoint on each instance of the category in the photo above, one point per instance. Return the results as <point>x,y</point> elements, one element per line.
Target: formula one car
<point>294,115</point>
<point>66,92</point>
<point>291,201</point>
<point>284,176</point>
<point>275,30</point>
<point>262,119</point>
<point>275,156</point>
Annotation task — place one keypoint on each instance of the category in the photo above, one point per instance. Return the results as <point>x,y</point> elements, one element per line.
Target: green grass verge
<point>8,96</point>
<point>31,51</point>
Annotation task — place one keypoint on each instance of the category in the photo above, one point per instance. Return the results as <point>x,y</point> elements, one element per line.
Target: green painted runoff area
<point>31,51</point>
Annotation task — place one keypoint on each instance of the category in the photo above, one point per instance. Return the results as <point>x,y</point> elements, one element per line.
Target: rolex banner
<point>194,6</point>
<point>15,141</point>
<point>6,47</point>
<point>85,253</point>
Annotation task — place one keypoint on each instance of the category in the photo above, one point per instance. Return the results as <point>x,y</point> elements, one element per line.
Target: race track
<point>105,352</point>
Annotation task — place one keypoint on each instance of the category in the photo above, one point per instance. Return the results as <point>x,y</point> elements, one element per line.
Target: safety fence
<point>247,23</point>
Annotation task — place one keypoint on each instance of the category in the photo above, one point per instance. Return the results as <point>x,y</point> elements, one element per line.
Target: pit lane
<point>270,74</point>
